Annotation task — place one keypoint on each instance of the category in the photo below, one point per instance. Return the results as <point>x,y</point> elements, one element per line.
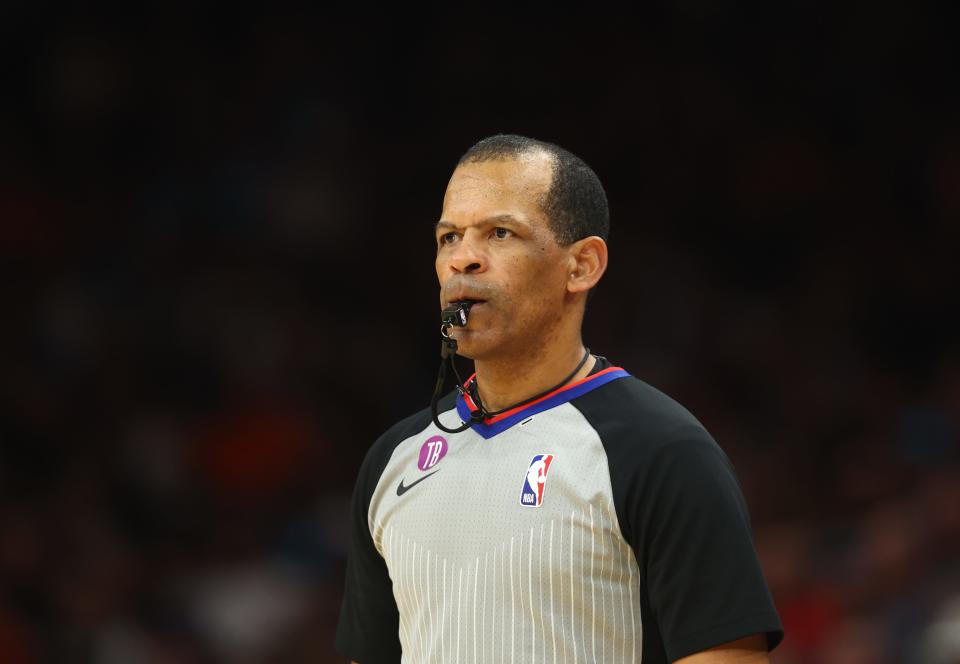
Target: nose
<point>467,256</point>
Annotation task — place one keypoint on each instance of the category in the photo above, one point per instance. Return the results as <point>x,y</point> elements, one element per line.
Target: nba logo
<point>535,480</point>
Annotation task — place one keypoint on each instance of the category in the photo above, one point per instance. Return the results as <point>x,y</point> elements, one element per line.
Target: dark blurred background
<point>218,291</point>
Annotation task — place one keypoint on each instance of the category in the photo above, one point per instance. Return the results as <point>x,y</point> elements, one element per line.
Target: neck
<point>504,381</point>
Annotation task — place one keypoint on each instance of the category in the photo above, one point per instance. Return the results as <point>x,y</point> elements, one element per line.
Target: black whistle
<point>456,314</point>
<point>453,316</point>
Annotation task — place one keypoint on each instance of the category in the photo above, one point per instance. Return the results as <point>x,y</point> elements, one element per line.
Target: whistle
<point>453,316</point>
<point>456,314</point>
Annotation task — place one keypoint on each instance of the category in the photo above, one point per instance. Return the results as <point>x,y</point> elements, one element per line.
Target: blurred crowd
<point>217,260</point>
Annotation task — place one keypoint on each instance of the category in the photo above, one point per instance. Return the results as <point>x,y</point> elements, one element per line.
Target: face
<point>494,245</point>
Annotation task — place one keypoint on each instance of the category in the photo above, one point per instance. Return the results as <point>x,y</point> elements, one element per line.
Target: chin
<point>475,346</point>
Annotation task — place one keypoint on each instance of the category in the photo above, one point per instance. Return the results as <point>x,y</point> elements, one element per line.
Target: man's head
<point>523,231</point>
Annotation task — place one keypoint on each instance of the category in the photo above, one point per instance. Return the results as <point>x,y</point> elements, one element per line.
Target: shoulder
<point>656,451</point>
<point>629,412</point>
<point>383,447</point>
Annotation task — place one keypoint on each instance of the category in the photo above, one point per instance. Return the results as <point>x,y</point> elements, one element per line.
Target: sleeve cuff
<point>766,623</point>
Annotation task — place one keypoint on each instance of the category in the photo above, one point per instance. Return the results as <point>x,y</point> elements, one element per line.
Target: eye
<point>448,238</point>
<point>501,233</point>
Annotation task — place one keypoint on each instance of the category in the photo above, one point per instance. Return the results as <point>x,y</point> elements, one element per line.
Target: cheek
<point>547,278</point>
<point>537,286</point>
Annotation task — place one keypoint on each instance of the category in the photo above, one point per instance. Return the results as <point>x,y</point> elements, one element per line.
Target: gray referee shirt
<point>601,523</point>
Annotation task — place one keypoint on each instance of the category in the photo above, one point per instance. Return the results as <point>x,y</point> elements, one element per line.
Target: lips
<point>464,296</point>
<point>465,290</point>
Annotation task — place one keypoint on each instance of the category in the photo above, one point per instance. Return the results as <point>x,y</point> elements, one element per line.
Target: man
<point>582,516</point>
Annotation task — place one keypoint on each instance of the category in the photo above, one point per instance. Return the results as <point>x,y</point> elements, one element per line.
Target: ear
<point>588,262</point>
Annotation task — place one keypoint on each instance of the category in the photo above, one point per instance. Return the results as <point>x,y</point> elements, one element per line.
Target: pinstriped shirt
<point>599,524</point>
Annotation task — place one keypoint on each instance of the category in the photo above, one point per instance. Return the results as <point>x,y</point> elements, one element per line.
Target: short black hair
<point>576,204</point>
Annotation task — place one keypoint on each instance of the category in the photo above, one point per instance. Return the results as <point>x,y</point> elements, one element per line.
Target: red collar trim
<point>513,411</point>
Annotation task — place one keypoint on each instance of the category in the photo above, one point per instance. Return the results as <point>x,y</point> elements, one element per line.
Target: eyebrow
<point>503,218</point>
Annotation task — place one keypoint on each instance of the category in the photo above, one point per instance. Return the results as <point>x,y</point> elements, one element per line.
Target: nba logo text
<point>535,480</point>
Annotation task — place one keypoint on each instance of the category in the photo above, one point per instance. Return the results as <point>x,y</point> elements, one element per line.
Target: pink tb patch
<point>434,449</point>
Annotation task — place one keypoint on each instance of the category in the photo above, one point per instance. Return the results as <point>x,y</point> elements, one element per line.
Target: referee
<point>578,515</point>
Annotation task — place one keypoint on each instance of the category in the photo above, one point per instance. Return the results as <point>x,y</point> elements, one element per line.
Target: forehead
<point>502,187</point>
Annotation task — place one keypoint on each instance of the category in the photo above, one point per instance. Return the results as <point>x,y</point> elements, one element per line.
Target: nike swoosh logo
<point>403,489</point>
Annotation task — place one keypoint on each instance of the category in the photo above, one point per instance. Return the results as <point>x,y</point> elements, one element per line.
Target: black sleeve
<point>368,630</point>
<point>681,509</point>
<point>691,528</point>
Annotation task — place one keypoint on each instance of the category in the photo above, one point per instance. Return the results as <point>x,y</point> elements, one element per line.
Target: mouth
<point>466,300</point>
